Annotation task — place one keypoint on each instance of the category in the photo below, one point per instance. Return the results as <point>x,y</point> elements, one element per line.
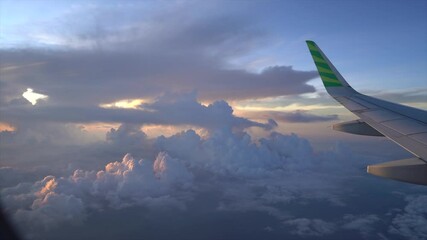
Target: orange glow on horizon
<point>126,103</point>
<point>6,127</point>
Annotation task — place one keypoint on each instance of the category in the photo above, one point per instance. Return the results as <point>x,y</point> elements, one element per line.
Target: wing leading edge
<point>404,125</point>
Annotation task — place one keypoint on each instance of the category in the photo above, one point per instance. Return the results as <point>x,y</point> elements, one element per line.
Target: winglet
<point>330,76</point>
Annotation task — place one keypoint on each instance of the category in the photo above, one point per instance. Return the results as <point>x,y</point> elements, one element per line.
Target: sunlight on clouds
<point>98,129</point>
<point>6,127</point>
<point>126,103</point>
<point>32,96</point>
<point>8,68</point>
<point>310,95</point>
<point>169,130</point>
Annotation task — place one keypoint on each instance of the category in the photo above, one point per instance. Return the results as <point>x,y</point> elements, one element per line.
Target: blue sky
<point>203,120</point>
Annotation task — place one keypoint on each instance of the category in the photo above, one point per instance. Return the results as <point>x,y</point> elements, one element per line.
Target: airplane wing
<point>404,125</point>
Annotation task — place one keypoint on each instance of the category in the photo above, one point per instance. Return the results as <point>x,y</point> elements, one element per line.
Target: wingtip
<point>310,42</point>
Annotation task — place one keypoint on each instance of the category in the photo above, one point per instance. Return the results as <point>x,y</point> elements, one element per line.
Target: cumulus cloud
<point>127,135</point>
<point>259,175</point>
<point>229,153</point>
<point>239,173</point>
<point>412,222</point>
<point>52,201</point>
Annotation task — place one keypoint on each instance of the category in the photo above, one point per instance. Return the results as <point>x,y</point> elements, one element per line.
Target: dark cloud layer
<point>170,109</point>
<point>93,78</point>
<point>153,56</point>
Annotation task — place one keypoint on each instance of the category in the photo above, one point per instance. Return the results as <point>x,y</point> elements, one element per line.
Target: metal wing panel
<point>350,105</point>
<point>406,126</point>
<point>382,115</point>
<point>420,137</point>
<point>410,112</point>
<point>405,131</point>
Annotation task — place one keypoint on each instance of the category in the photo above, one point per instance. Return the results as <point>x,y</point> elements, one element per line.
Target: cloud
<point>237,173</point>
<point>129,75</point>
<point>412,222</point>
<point>302,116</point>
<point>298,116</point>
<point>52,201</point>
<point>10,177</point>
<point>127,135</point>
<point>362,223</point>
<point>415,95</point>
<point>310,227</point>
<point>305,227</point>
<point>145,57</point>
<point>236,154</point>
<point>170,109</point>
<point>258,176</point>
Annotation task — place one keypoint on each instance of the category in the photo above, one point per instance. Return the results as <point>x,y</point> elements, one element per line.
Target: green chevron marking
<point>328,76</point>
<point>316,53</point>
<point>320,69</point>
<point>317,59</point>
<point>323,65</point>
<point>312,47</point>
<point>330,82</point>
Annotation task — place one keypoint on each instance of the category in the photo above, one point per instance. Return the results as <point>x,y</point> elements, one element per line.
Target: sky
<point>203,120</point>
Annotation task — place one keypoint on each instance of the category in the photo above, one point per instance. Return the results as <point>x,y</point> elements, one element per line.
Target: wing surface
<point>406,126</point>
